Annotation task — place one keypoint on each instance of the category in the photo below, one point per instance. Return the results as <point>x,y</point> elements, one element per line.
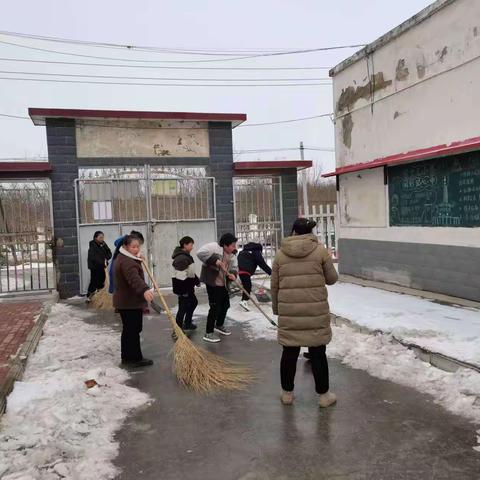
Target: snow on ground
<point>457,392</point>
<point>54,426</point>
<point>451,330</point>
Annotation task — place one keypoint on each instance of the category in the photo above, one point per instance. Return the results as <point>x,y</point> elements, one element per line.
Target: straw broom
<point>197,368</point>
<point>102,299</point>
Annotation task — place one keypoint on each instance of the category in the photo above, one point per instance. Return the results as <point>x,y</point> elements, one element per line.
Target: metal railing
<point>143,200</point>
<point>326,229</point>
<point>26,266</point>
<point>268,234</point>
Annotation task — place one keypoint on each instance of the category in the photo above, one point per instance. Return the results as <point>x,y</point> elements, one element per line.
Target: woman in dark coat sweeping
<point>98,256</point>
<point>130,299</point>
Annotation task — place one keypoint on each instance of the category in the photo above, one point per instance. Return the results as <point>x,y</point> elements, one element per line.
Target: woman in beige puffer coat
<point>301,271</point>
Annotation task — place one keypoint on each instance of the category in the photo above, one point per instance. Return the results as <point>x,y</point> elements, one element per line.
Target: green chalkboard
<point>442,192</point>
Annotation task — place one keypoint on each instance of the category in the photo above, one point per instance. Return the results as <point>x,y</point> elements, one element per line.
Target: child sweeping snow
<point>184,281</point>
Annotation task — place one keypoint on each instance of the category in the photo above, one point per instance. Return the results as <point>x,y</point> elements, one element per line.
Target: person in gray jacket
<point>217,259</point>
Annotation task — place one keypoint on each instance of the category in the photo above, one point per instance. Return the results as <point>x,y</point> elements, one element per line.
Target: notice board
<point>441,192</point>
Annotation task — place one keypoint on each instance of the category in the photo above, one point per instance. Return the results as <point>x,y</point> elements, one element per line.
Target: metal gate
<point>26,260</point>
<point>164,209</point>
<point>258,212</point>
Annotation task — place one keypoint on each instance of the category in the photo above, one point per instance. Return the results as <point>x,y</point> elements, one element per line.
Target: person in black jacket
<point>98,256</point>
<point>184,281</point>
<point>249,259</point>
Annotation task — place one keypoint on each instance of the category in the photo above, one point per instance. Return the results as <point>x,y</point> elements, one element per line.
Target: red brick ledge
<point>19,363</point>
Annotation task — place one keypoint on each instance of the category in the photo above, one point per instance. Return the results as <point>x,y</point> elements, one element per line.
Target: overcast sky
<point>214,25</point>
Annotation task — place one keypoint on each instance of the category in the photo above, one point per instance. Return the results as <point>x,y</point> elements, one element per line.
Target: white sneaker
<point>326,399</point>
<point>223,331</point>
<point>244,305</point>
<point>211,337</point>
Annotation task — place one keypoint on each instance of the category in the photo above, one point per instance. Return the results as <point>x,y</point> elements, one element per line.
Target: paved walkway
<point>378,430</point>
<point>18,317</point>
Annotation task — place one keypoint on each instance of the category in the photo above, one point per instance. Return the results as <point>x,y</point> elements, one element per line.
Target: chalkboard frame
<point>440,192</point>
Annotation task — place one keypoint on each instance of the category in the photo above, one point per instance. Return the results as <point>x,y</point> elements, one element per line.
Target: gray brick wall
<point>221,167</point>
<point>444,269</point>
<point>62,156</point>
<point>290,200</point>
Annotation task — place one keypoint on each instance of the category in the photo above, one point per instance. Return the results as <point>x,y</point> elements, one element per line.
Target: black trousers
<point>132,321</point>
<point>288,368</point>
<point>247,285</point>
<point>186,306</point>
<point>97,280</point>
<point>219,304</point>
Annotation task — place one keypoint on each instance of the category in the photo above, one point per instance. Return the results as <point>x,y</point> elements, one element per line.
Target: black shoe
<point>144,362</point>
<point>189,326</point>
<point>307,356</point>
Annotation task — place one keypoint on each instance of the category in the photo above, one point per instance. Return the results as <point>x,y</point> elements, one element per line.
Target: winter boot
<point>287,398</point>
<point>244,305</point>
<point>326,399</point>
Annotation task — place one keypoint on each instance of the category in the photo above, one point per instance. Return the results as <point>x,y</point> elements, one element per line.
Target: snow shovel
<point>250,297</point>
<point>197,368</point>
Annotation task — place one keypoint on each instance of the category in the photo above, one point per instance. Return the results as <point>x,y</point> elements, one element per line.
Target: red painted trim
<point>415,155</point>
<point>38,115</point>
<point>282,164</point>
<point>19,167</point>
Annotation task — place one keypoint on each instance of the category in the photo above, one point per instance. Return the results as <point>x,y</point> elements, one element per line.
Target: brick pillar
<point>221,167</point>
<point>63,157</point>
<point>289,200</point>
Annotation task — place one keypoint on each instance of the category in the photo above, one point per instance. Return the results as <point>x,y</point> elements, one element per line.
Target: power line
<point>168,78</point>
<point>286,121</point>
<point>92,82</point>
<point>88,64</point>
<point>138,47</point>
<point>179,50</point>
<point>97,124</point>
<point>267,150</point>
<point>14,116</point>
<point>245,57</point>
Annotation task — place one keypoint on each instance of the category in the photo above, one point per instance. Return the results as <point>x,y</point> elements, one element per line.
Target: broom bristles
<point>102,299</point>
<point>203,371</point>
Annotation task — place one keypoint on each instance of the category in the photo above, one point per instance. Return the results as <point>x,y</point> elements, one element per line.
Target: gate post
<point>221,167</point>
<point>289,200</point>
<point>63,157</point>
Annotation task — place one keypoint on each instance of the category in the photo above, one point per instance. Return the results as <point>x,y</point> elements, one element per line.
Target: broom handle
<point>254,300</point>
<point>159,293</point>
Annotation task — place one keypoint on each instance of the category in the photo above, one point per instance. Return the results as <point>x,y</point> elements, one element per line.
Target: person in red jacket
<point>130,299</point>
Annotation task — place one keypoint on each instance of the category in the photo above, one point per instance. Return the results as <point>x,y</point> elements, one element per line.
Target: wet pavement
<point>378,430</point>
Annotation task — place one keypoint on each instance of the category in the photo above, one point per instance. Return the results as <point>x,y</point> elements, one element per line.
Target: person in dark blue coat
<point>98,257</point>
<point>249,259</point>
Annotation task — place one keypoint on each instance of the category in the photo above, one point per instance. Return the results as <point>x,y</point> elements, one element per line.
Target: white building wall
<point>425,90</point>
<point>425,94</point>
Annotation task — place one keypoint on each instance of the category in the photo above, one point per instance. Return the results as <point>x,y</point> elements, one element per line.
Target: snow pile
<point>457,392</point>
<point>54,426</point>
<point>450,330</point>
<point>447,329</point>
